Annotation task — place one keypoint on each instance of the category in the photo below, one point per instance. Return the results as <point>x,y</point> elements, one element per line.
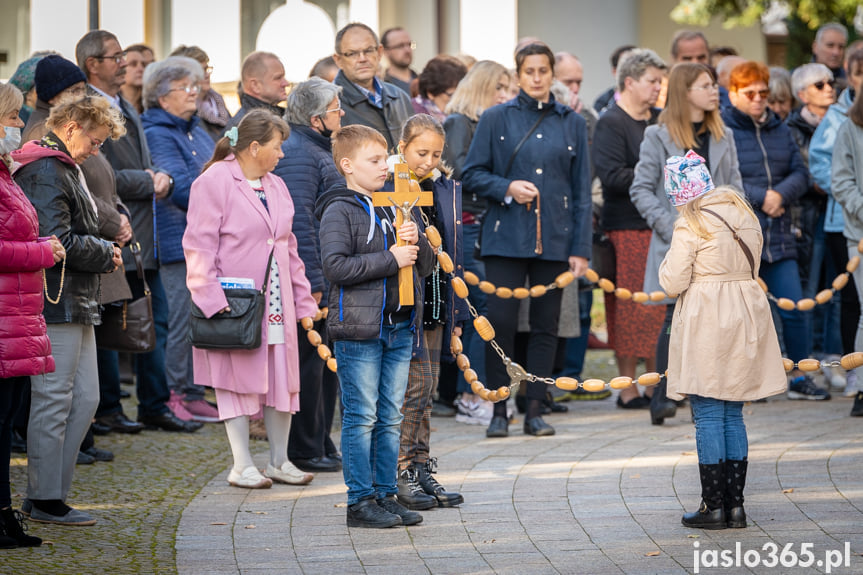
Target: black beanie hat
<point>54,74</point>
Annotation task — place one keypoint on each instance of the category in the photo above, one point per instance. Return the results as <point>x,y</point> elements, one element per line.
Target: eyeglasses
<point>820,85</point>
<point>763,94</point>
<point>189,89</point>
<point>706,88</point>
<point>354,54</point>
<point>117,58</point>
<point>208,70</point>
<point>402,46</point>
<point>339,109</point>
<point>95,144</point>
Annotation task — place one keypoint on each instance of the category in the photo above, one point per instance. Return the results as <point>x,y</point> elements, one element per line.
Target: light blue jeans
<point>373,375</point>
<point>720,434</point>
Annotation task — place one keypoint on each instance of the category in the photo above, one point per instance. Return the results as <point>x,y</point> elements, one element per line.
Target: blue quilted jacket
<point>180,148</point>
<point>769,159</point>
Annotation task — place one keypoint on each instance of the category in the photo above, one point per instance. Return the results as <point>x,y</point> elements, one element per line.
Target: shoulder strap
<point>135,248</point>
<point>265,285</point>
<point>525,137</point>
<point>747,252</point>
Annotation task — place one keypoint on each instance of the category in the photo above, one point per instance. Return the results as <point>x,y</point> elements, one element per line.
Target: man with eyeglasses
<point>264,85</point>
<point>365,99</point>
<point>399,50</point>
<point>139,185</point>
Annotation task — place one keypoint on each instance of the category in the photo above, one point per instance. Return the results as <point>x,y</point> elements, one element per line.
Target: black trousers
<point>544,316</point>
<point>837,248</point>
<point>310,427</point>
<point>11,391</point>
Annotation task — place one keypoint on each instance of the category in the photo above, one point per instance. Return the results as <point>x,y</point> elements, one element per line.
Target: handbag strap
<point>267,275</point>
<point>737,237</point>
<point>524,139</point>
<point>135,248</point>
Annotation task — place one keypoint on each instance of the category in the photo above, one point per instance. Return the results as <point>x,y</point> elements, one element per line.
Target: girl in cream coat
<point>724,349</point>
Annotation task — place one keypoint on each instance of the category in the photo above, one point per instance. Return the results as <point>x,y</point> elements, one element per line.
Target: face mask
<point>325,132</point>
<point>12,140</point>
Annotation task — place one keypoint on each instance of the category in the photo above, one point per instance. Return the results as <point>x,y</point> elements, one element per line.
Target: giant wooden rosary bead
<point>307,323</point>
<point>591,276</point>
<point>649,378</point>
<point>503,292</point>
<point>657,296</point>
<point>621,382</point>
<point>471,278</point>
<point>470,375</point>
<point>593,385</point>
<point>445,262</point>
<point>487,287</point>
<point>319,315</point>
<point>623,293</point>
<point>852,360</point>
<point>331,363</point>
<point>324,352</point>
<point>455,345</point>
<point>494,395</point>
<point>606,285</point>
<point>459,287</point>
<point>484,393</point>
<point>325,312</point>
<point>564,279</point>
<point>566,383</point>
<point>853,264</point>
<point>503,393</point>
<point>476,386</point>
<point>824,296</point>
<point>787,364</point>
<point>840,282</point>
<point>314,338</point>
<point>538,291</point>
<point>640,297</point>
<point>762,284</point>
<point>462,361</point>
<point>483,328</point>
<point>860,246</point>
<point>521,293</point>
<point>785,303</point>
<point>806,304</point>
<point>808,365</point>
<point>433,237</point>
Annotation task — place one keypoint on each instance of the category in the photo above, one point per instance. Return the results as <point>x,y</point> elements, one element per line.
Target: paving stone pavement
<point>604,495</point>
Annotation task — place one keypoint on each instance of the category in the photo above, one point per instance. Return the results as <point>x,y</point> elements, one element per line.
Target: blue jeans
<point>374,376</point>
<point>474,345</point>
<point>576,347</point>
<point>783,280</point>
<point>152,380</point>
<point>720,434</point>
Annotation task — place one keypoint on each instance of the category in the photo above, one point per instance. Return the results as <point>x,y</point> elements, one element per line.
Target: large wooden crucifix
<point>407,194</point>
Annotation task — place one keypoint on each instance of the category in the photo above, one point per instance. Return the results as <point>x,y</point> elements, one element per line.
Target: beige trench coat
<point>723,341</point>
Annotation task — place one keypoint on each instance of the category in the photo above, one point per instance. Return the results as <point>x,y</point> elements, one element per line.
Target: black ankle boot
<point>411,494</point>
<point>12,524</point>
<point>735,481</point>
<point>660,406</point>
<point>710,514</point>
<point>430,485</point>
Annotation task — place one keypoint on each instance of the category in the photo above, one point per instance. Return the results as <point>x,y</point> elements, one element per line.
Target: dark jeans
<point>152,380</point>
<point>664,340</point>
<point>783,280</point>
<point>837,250</point>
<point>310,434</point>
<point>11,391</point>
<point>109,382</point>
<point>544,316</point>
<point>474,346</point>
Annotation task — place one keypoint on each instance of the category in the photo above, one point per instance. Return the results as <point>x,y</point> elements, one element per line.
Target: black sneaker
<point>857,409</point>
<point>367,513</point>
<point>802,387</point>
<point>408,517</point>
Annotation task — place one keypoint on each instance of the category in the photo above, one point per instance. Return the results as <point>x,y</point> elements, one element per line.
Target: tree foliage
<point>743,13</point>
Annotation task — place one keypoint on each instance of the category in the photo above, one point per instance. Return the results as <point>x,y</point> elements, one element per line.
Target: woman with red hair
<point>774,178</point>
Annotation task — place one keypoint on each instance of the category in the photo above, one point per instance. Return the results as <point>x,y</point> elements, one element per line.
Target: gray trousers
<point>62,406</point>
<point>178,351</point>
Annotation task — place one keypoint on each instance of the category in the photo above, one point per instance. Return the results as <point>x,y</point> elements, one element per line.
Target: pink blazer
<point>230,234</point>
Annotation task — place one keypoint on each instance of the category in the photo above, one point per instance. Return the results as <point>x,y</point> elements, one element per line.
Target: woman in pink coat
<point>24,346</point>
<point>239,213</point>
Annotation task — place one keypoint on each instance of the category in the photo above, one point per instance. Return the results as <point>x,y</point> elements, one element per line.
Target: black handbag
<point>129,326</point>
<point>239,328</point>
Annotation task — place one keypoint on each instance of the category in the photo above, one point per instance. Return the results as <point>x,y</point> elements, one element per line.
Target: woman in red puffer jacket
<point>24,346</point>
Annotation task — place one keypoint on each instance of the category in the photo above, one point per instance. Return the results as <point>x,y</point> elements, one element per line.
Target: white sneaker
<point>250,478</point>
<point>473,410</point>
<point>288,473</point>
<point>834,376</point>
<point>851,387</point>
